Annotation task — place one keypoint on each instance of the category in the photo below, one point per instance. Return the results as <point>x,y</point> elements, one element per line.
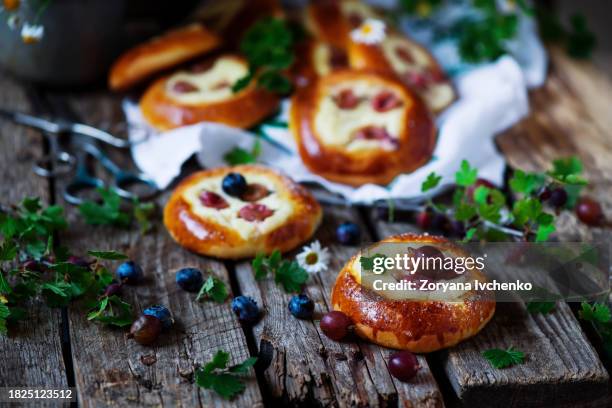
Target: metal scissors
<point>85,141</point>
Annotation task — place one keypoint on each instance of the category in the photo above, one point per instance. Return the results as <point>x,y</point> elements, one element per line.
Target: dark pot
<point>81,39</point>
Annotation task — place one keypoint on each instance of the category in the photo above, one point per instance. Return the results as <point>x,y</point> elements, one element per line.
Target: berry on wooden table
<point>162,313</point>
<point>558,197</point>
<point>145,330</point>
<point>403,365</point>
<point>246,309</point>
<point>301,306</point>
<point>589,211</point>
<point>335,325</point>
<point>348,233</point>
<point>423,220</point>
<point>129,272</point>
<point>234,184</point>
<point>189,279</point>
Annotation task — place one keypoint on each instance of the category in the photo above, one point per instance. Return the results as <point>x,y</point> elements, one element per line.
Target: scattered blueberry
<point>234,184</point>
<point>301,306</point>
<point>162,313</point>
<point>439,222</point>
<point>129,272</point>
<point>112,289</point>
<point>246,309</point>
<point>348,233</point>
<point>145,330</point>
<point>189,279</point>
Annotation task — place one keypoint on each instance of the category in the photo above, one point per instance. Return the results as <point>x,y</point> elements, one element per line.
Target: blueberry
<point>189,279</point>
<point>162,313</point>
<point>348,233</point>
<point>558,197</point>
<point>301,306</point>
<point>234,184</point>
<point>129,272</point>
<point>246,309</point>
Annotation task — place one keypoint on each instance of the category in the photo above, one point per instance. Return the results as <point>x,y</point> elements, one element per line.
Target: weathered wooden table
<point>299,365</point>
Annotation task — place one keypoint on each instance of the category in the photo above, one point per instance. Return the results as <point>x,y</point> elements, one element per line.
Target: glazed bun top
<point>209,82</point>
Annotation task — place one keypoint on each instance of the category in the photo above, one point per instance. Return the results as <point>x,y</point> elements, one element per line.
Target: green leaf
<point>566,167</point>
<point>112,311</point>
<point>8,250</point>
<point>4,314</point>
<point>5,288</point>
<point>580,40</point>
<point>242,83</point>
<point>504,358</point>
<point>464,212</point>
<point>244,366</point>
<point>238,155</point>
<point>108,255</point>
<point>598,312</point>
<point>481,194</point>
<point>430,182</point>
<point>367,263</point>
<point>291,276</point>
<point>143,214</point>
<point>526,183</point>
<point>526,210</point>
<point>216,376</point>
<point>541,307</point>
<point>469,234</point>
<point>214,289</point>
<point>262,265</point>
<point>466,175</point>
<point>544,232</point>
<point>107,213</point>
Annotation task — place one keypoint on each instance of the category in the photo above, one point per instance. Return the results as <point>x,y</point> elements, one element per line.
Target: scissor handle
<point>54,165</point>
<point>124,179</point>
<point>103,136</point>
<point>80,184</point>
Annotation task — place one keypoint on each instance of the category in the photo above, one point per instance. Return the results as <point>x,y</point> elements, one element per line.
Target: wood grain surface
<point>32,353</point>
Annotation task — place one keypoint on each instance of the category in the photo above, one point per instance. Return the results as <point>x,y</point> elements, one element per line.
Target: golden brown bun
<point>316,58</point>
<point>418,326</point>
<point>412,63</point>
<point>298,215</point>
<point>414,143</point>
<point>242,109</point>
<point>160,53</point>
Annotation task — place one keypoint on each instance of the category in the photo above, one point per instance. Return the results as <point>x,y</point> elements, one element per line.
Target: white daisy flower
<point>371,31</point>
<point>14,21</point>
<point>31,33</point>
<point>313,258</point>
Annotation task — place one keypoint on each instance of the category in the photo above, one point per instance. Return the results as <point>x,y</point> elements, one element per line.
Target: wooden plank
<point>561,365</point>
<point>304,365</point>
<point>111,370</point>
<point>32,354</point>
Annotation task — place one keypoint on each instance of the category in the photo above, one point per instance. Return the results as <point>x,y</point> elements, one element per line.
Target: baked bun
<point>422,322</point>
<point>357,127</point>
<point>273,213</point>
<point>412,63</point>
<point>204,93</point>
<point>160,53</point>
<point>331,21</point>
<point>316,58</point>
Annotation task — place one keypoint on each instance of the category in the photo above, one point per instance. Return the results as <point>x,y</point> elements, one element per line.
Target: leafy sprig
<point>269,48</point>
<point>599,315</point>
<point>287,273</point>
<point>110,211</point>
<point>500,358</point>
<point>238,155</point>
<point>224,380</point>
<point>113,311</point>
<point>31,265</point>
<point>213,288</point>
<point>487,214</point>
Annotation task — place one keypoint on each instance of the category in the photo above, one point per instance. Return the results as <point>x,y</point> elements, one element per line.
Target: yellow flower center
<point>312,258</point>
<point>366,29</point>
